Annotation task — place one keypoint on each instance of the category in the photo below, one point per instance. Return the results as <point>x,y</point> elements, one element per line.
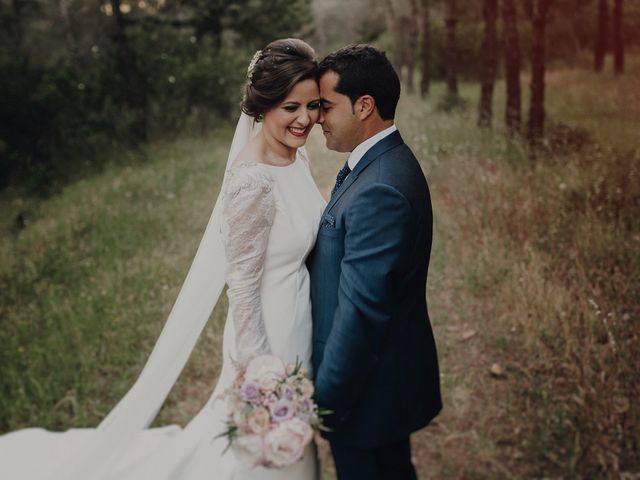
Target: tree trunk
<point>618,38</point>
<point>536,107</point>
<point>136,93</point>
<point>68,26</point>
<point>393,25</point>
<point>451,21</point>
<point>602,35</point>
<point>411,44</point>
<point>512,66</point>
<point>17,30</point>
<point>425,48</point>
<point>407,59</point>
<point>490,62</point>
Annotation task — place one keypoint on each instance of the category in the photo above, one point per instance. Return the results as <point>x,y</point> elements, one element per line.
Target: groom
<point>374,354</point>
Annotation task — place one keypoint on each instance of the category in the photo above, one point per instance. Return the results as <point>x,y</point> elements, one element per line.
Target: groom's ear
<point>364,107</point>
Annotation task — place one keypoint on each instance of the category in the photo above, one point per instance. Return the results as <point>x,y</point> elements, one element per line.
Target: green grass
<point>522,252</point>
<point>88,284</point>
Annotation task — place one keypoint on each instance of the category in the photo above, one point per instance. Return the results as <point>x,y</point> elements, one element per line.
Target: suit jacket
<point>374,355</point>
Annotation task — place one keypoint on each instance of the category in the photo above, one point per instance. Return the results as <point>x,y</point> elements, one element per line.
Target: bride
<point>260,232</point>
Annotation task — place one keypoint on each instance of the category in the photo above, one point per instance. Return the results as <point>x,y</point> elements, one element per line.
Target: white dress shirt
<point>364,147</point>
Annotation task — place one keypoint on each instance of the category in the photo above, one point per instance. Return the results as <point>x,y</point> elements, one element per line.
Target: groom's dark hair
<point>365,70</point>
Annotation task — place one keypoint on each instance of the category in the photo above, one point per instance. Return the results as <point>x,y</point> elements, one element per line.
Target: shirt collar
<point>364,147</point>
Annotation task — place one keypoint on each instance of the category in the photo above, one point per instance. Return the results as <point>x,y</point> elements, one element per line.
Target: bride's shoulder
<point>247,174</point>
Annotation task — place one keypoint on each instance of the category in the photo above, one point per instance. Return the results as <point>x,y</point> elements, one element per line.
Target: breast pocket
<point>329,232</point>
<point>330,245</point>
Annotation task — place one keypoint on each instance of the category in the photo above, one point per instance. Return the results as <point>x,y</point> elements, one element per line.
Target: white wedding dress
<point>268,224</point>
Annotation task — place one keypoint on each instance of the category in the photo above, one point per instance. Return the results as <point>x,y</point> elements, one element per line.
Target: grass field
<point>533,286</point>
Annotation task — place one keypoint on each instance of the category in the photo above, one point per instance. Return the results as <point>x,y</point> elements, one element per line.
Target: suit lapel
<point>384,145</point>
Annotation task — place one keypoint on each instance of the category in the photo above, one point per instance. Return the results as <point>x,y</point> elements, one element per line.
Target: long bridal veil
<point>97,458</point>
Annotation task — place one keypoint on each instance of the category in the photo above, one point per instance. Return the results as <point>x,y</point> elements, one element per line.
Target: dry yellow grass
<point>533,287</point>
<point>536,270</point>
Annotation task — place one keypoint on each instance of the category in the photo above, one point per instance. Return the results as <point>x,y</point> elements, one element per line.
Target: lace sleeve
<point>249,210</point>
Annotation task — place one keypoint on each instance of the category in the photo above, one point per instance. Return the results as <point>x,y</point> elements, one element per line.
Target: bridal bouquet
<point>272,415</point>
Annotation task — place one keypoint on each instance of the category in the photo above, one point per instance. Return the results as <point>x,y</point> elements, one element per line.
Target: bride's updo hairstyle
<point>274,71</point>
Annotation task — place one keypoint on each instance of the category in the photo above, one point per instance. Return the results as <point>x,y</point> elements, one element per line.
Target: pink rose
<point>269,399</point>
<point>285,444</point>
<point>249,449</point>
<point>259,421</point>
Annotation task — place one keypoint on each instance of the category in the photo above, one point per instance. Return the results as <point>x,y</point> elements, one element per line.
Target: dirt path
<point>453,446</point>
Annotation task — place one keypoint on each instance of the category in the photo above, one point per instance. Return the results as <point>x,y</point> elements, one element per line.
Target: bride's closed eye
<point>314,105</point>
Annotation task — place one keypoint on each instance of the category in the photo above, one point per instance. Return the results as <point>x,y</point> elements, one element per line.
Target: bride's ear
<point>364,107</point>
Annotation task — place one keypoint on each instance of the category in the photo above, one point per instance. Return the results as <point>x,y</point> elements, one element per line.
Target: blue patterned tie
<point>342,174</point>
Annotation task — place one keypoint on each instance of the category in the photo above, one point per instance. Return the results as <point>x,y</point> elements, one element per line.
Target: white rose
<point>249,449</point>
<point>306,387</point>
<point>285,444</point>
<point>268,383</point>
<point>263,365</point>
<point>267,370</point>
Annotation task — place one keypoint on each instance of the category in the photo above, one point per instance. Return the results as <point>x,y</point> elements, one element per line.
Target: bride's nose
<point>304,119</point>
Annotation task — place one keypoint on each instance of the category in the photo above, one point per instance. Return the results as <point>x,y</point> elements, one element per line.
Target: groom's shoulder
<point>397,167</point>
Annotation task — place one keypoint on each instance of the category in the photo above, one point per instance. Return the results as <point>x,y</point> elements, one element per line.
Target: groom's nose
<point>321,116</point>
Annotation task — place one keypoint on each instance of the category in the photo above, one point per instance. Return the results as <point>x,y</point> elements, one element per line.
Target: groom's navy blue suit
<point>374,355</point>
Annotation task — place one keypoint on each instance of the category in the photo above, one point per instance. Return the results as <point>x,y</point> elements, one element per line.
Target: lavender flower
<point>281,410</point>
<point>271,413</point>
<point>250,391</point>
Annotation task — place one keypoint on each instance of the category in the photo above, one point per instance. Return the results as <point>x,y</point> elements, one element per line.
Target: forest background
<point>114,119</point>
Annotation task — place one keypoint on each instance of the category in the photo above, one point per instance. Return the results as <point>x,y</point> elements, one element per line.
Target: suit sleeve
<point>380,228</point>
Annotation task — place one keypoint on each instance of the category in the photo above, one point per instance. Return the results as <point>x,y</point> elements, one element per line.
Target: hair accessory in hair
<point>252,64</point>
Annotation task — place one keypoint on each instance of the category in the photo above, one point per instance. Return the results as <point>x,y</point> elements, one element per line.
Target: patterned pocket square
<point>328,221</point>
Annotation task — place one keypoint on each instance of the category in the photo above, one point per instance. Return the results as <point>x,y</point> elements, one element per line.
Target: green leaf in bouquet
<point>324,411</point>
<point>231,433</point>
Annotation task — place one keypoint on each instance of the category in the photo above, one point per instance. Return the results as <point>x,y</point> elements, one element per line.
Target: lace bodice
<point>249,210</point>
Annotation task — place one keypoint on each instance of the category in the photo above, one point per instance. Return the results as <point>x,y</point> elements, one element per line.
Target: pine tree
<point>618,38</point>
<point>601,42</point>
<point>512,66</point>
<point>490,62</point>
<point>451,22</point>
<point>538,65</point>
<point>424,12</point>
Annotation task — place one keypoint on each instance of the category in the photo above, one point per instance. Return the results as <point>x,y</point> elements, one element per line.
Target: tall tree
<point>393,25</point>
<point>451,21</point>
<point>618,38</point>
<point>410,30</point>
<point>17,24</point>
<point>539,10</point>
<point>424,14</point>
<point>601,44</point>
<point>489,62</point>
<point>402,23</point>
<point>512,66</point>
<point>135,90</point>
<point>68,27</point>
<point>256,22</point>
